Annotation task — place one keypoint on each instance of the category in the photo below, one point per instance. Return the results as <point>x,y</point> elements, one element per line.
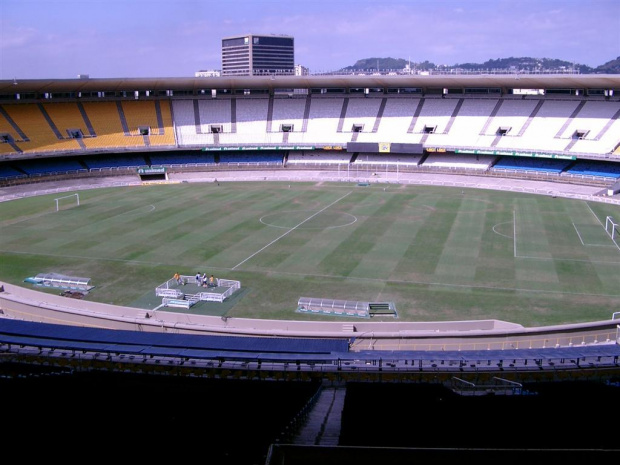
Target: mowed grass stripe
<point>534,269</point>
<point>353,245</point>
<point>496,266</point>
<point>459,257</point>
<point>191,230</point>
<point>437,214</point>
<point>393,219</point>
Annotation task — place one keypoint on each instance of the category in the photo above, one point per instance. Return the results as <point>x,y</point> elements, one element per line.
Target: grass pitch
<point>437,253</point>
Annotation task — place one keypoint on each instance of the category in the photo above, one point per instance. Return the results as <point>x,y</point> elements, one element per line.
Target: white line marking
<point>577,231</point>
<point>499,233</point>
<point>514,230</point>
<point>597,218</point>
<point>291,230</point>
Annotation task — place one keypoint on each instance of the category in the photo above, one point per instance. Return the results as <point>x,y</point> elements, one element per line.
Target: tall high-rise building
<point>258,55</point>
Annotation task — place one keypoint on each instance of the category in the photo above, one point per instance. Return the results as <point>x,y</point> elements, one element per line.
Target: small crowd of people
<point>205,281</point>
<point>201,280</point>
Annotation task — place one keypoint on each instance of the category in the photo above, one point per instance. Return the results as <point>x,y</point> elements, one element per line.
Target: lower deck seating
<point>532,164</point>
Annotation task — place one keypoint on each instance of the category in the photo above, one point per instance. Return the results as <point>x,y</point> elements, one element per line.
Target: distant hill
<point>512,64</point>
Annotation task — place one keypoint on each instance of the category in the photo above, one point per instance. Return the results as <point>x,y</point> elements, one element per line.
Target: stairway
<point>322,425</point>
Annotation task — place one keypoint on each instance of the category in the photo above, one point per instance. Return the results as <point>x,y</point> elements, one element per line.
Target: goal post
<point>611,227</point>
<point>67,201</point>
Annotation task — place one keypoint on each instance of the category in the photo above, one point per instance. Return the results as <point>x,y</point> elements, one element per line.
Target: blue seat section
<point>115,161</point>
<point>7,172</point>
<point>160,343</point>
<point>182,158</point>
<point>547,165</point>
<point>577,352</point>
<point>50,165</point>
<point>139,343</point>
<point>595,168</point>
<point>252,157</point>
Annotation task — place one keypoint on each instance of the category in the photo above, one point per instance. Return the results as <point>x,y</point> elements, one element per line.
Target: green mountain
<point>512,64</point>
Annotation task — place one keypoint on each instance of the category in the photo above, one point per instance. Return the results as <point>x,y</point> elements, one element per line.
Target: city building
<point>258,55</point>
<point>208,73</point>
<point>301,70</point>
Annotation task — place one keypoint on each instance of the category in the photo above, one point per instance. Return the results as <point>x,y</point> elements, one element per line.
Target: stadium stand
<point>40,137</point>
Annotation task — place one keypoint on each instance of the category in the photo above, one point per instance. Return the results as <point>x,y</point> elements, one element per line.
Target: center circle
<point>304,219</point>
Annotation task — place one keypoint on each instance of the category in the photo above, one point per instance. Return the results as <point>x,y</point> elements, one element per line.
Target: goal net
<point>67,201</point>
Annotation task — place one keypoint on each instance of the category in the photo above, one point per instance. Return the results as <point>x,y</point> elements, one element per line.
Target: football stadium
<point>328,243</point>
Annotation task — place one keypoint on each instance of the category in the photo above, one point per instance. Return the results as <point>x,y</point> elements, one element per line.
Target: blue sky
<point>175,38</point>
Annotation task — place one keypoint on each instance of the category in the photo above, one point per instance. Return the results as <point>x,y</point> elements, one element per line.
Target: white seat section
<point>551,129</point>
<point>512,114</point>
<point>436,112</point>
<point>323,121</point>
<point>397,116</point>
<point>592,118</point>
<point>252,116</point>
<point>542,129</point>
<point>215,112</point>
<point>605,145</point>
<point>470,121</point>
<point>185,125</point>
<point>361,111</point>
<point>288,111</point>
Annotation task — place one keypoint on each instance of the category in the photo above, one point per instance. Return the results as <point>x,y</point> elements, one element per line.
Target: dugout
<point>613,190</point>
<point>153,173</point>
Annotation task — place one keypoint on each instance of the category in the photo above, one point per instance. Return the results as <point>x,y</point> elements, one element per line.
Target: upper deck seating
<point>469,124</point>
<point>289,111</point>
<point>153,115</point>
<point>323,121</point>
<point>108,127</point>
<point>37,134</point>
<point>435,114</point>
<point>361,112</point>
<point>541,130</point>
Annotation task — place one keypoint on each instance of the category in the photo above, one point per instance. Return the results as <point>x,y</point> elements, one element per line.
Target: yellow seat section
<point>40,134</point>
<point>106,122</point>
<point>66,116</point>
<point>6,148</point>
<point>167,137</point>
<point>141,114</point>
<point>6,128</point>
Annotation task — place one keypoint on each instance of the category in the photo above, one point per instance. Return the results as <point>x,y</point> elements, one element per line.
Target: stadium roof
<point>195,84</point>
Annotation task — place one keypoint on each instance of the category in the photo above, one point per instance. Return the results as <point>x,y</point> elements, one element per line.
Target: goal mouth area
<point>67,201</point>
<point>612,228</point>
